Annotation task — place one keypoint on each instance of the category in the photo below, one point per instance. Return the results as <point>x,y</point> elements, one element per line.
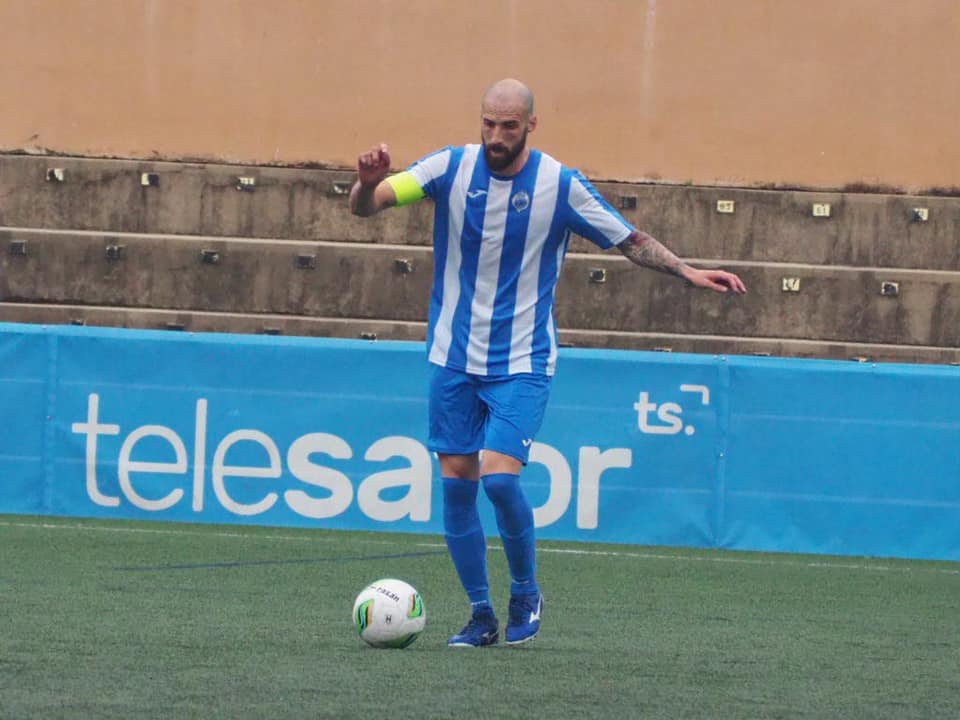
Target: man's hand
<point>373,166</point>
<point>369,195</point>
<point>716,280</point>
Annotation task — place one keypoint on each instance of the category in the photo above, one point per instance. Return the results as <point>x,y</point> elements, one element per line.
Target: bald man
<point>503,217</point>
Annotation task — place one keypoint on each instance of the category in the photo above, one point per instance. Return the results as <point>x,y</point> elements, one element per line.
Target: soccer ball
<point>389,613</point>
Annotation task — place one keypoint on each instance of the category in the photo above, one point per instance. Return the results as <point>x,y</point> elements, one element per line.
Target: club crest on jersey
<point>520,201</point>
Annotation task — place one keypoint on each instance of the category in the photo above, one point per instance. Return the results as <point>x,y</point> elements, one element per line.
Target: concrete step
<point>216,274</point>
<point>200,321</point>
<point>844,304</point>
<point>195,199</point>
<point>862,229</point>
<point>785,300</point>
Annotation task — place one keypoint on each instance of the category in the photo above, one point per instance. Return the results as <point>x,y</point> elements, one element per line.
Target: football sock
<point>465,539</point>
<point>515,521</point>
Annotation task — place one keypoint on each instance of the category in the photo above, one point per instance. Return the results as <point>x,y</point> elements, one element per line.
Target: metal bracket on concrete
<point>404,266</point>
<point>305,261</point>
<point>790,284</point>
<point>368,336</point>
<point>662,348</point>
<point>209,257</point>
<point>17,247</point>
<point>177,326</point>
<point>55,175</point>
<point>270,330</point>
<point>149,179</point>
<point>889,288</point>
<point>246,184</point>
<point>341,187</point>
<point>598,276</point>
<point>115,252</point>
<point>920,214</point>
<point>821,210</point>
<point>628,202</point>
<point>78,321</point>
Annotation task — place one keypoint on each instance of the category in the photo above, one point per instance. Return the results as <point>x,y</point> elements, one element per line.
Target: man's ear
<point>532,123</point>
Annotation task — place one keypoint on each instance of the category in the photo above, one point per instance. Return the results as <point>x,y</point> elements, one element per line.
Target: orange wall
<point>746,92</point>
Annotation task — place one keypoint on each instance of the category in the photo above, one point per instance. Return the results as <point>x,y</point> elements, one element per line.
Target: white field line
<point>785,562</point>
<point>734,560</point>
<point>158,531</point>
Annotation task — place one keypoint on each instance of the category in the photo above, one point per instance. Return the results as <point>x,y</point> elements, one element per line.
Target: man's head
<point>506,115</point>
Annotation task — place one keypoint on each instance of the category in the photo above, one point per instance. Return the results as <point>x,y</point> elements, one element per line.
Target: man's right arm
<point>371,193</point>
<point>366,201</point>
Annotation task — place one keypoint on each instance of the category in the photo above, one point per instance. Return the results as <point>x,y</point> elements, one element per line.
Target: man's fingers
<point>376,158</point>
<point>381,155</point>
<point>731,282</point>
<point>722,281</point>
<point>736,283</point>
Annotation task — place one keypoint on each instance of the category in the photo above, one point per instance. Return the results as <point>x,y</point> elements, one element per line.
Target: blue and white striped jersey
<point>499,244</point>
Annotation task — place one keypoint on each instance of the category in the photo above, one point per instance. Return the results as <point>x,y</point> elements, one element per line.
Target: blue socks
<point>468,545</point>
<point>515,521</point>
<point>465,539</point>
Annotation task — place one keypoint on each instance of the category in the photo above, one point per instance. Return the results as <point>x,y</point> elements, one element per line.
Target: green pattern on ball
<point>416,606</point>
<point>362,618</point>
<point>402,642</point>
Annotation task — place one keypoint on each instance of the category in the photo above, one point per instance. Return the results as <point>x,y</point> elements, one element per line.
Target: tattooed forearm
<point>647,251</point>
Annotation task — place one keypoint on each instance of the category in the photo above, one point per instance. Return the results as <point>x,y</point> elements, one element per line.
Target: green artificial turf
<point>106,619</point>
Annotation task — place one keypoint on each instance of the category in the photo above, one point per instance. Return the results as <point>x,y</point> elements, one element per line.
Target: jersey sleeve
<point>425,178</point>
<point>593,217</point>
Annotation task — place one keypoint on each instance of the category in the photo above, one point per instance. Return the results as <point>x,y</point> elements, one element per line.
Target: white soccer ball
<point>389,613</point>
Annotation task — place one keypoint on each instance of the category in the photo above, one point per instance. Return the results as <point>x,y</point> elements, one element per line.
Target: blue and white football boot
<point>482,630</point>
<point>524,622</point>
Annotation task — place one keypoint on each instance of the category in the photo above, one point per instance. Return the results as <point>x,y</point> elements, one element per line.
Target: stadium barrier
<point>748,453</point>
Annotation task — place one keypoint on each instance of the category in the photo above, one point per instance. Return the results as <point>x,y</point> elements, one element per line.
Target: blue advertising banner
<point>640,448</point>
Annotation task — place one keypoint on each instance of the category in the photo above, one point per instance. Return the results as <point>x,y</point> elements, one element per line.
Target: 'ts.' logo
<point>668,414</point>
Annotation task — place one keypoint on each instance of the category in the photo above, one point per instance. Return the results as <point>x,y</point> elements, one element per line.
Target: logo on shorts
<point>520,201</point>
<point>527,442</point>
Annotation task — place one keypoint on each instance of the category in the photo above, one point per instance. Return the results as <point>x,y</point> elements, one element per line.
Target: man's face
<point>504,128</point>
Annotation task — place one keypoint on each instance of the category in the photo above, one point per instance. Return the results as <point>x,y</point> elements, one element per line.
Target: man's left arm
<point>592,217</point>
<point>646,251</point>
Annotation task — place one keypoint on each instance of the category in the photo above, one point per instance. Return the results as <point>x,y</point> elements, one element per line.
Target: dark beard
<point>501,162</point>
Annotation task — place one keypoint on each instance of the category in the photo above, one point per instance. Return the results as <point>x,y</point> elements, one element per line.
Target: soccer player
<point>503,217</point>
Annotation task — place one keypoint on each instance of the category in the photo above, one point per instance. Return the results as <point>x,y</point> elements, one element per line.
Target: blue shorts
<point>473,412</point>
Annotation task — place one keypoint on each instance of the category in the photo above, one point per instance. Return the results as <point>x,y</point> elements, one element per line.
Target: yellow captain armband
<point>406,188</point>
